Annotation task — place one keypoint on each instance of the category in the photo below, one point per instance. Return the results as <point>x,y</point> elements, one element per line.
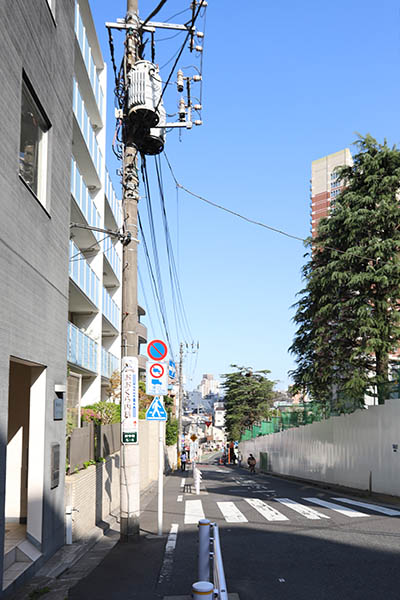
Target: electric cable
<point>171,260</point>
<point>253,221</point>
<point>74,258</point>
<point>148,313</point>
<point>153,13</point>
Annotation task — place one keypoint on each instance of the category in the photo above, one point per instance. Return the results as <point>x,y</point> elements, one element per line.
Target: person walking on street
<point>239,458</point>
<point>251,461</point>
<point>183,460</point>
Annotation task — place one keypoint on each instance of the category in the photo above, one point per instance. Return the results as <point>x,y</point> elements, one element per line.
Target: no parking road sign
<point>157,350</point>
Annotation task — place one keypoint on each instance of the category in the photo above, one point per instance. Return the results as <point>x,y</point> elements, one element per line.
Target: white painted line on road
<point>183,480</point>
<point>193,511</point>
<point>231,513</point>
<point>269,513</point>
<point>166,568</point>
<point>306,511</point>
<point>179,498</point>
<point>383,509</point>
<point>344,510</point>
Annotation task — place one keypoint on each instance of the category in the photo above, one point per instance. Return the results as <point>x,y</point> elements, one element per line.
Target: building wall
<point>95,491</point>
<point>34,239</point>
<point>360,450</point>
<point>323,188</point>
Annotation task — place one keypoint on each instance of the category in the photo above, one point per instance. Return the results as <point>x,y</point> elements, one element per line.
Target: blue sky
<point>283,84</point>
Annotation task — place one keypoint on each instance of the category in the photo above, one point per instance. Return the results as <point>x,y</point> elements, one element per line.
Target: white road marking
<point>183,481</point>
<point>179,498</point>
<point>344,510</point>
<point>231,513</point>
<point>306,511</point>
<point>166,568</point>
<point>386,511</point>
<point>193,511</point>
<point>269,513</point>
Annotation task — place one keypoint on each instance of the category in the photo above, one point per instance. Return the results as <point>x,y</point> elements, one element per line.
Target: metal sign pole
<point>160,477</point>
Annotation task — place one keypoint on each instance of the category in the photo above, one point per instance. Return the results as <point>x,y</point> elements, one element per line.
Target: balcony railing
<point>84,45</point>
<point>112,257</point>
<point>82,274</point>
<point>109,363</point>
<point>87,129</point>
<point>113,201</point>
<point>82,350</point>
<point>111,309</point>
<point>82,197</point>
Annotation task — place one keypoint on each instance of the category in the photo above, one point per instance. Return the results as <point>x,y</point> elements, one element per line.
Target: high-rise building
<point>208,385</point>
<point>36,64</point>
<point>325,184</point>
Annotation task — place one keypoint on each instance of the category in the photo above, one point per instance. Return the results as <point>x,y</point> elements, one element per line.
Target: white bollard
<point>202,590</point>
<point>68,525</point>
<point>204,550</point>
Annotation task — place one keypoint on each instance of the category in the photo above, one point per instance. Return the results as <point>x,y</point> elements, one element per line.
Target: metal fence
<point>91,442</point>
<point>210,548</point>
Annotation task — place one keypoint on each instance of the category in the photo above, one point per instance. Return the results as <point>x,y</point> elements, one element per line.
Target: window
<point>33,142</point>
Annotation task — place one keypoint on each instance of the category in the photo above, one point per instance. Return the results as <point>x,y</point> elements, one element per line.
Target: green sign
<point>129,438</point>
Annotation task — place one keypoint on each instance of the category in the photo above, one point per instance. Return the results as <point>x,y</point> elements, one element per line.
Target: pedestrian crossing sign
<point>156,410</point>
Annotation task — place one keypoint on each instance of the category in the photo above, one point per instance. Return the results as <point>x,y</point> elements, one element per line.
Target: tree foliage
<point>348,312</point>
<point>248,399</point>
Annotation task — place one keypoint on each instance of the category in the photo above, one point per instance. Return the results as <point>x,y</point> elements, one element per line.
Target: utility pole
<point>130,465</point>
<point>180,403</point>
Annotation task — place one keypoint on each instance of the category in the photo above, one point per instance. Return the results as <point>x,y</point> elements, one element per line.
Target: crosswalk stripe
<point>305,511</point>
<point>344,510</point>
<point>183,481</point>
<point>269,513</point>
<point>386,511</point>
<point>193,511</point>
<point>231,513</point>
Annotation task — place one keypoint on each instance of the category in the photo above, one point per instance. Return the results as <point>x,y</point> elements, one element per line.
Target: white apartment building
<point>208,385</point>
<point>95,259</point>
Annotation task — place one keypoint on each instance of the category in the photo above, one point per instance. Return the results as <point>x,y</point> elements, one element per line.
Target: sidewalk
<point>71,563</point>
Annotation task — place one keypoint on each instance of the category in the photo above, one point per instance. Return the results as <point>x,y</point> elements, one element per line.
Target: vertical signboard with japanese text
<point>129,400</point>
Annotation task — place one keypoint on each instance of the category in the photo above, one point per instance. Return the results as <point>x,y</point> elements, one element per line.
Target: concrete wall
<point>357,450</point>
<point>95,491</point>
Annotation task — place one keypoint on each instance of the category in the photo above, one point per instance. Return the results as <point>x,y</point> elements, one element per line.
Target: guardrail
<point>210,548</point>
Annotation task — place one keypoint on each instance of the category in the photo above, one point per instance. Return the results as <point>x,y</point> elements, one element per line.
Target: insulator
<point>198,48</point>
<point>179,81</point>
<point>198,122</point>
<point>197,77</point>
<point>182,110</point>
<point>199,34</point>
<point>197,107</point>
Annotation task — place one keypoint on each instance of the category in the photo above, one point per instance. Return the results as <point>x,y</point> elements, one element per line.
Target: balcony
<point>84,62</point>
<point>142,333</point>
<point>112,313</point>
<point>81,349</point>
<point>142,362</point>
<point>83,210</point>
<point>84,279</point>
<point>109,363</point>
<point>113,205</point>
<point>86,148</point>
<point>112,264</point>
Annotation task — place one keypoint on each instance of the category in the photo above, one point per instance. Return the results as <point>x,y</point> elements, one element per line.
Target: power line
<point>153,13</point>
<point>252,221</point>
<point>171,259</point>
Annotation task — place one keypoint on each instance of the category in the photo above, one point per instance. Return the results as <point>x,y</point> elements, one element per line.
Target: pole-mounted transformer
<point>146,121</point>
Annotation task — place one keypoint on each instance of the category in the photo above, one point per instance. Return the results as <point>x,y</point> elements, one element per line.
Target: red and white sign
<point>157,350</point>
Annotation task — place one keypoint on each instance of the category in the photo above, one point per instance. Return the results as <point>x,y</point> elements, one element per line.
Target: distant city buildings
<point>325,184</point>
<point>208,385</point>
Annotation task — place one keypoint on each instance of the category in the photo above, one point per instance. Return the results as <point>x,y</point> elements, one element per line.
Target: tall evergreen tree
<point>348,314</point>
<point>248,399</point>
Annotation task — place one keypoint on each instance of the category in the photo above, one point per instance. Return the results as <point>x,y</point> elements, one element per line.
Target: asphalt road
<point>279,539</point>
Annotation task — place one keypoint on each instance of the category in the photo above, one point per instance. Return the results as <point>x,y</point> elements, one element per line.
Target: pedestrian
<point>183,460</point>
<point>239,458</point>
<point>251,461</point>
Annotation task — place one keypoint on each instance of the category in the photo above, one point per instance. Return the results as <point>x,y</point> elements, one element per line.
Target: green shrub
<point>102,413</point>
<point>171,432</point>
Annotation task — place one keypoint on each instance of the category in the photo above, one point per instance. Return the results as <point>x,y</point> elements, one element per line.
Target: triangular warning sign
<point>156,410</point>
